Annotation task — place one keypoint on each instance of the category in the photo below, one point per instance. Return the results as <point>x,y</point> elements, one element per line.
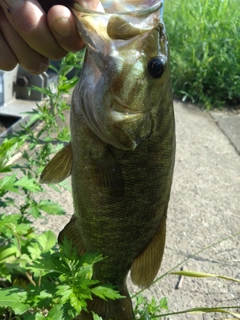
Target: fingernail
<point>62,27</point>
<point>14,4</point>
<point>40,69</point>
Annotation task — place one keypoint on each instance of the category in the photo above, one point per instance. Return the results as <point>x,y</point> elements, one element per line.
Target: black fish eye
<point>156,67</point>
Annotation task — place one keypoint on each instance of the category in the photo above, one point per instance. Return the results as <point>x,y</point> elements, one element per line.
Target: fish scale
<point>121,155</point>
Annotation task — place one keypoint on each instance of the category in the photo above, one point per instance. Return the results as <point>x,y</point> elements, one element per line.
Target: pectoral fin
<point>145,267</point>
<point>59,168</point>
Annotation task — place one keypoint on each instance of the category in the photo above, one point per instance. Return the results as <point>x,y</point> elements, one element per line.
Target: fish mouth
<point>116,20</point>
<point>125,113</point>
<point>126,8</point>
<point>125,116</point>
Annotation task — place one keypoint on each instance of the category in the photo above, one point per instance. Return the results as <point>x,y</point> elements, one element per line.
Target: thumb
<point>30,21</point>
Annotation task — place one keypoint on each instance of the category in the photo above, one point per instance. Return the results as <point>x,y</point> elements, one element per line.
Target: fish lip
<point>125,109</point>
<point>125,113</point>
<point>141,12</point>
<point>119,116</point>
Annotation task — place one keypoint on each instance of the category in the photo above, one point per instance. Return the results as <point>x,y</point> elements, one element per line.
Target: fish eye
<point>156,67</point>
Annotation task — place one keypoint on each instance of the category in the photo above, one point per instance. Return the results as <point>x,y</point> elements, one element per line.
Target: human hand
<point>30,36</point>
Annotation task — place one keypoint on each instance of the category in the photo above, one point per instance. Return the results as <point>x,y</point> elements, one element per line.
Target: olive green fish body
<point>120,196</point>
<point>121,155</point>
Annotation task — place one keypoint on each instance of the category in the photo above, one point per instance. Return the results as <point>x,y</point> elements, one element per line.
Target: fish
<point>122,149</point>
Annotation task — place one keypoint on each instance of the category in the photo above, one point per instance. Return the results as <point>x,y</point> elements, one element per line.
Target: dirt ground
<point>204,208</point>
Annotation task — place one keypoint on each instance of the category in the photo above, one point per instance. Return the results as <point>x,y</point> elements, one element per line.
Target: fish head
<point>128,67</point>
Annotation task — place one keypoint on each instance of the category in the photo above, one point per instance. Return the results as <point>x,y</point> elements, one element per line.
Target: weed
<point>38,278</point>
<point>205,50</point>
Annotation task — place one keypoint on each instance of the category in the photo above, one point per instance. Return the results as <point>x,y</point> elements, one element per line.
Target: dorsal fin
<point>59,167</point>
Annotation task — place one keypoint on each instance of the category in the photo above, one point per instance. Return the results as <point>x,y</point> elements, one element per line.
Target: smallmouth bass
<point>122,149</point>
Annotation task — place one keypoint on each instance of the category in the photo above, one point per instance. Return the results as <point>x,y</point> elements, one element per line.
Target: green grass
<point>204,39</point>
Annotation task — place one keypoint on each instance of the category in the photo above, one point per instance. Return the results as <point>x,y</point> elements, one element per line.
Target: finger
<point>18,49</point>
<point>62,24</point>
<point>8,60</point>
<point>30,21</point>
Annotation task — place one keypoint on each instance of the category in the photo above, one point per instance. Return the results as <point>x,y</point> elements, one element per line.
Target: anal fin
<point>59,167</point>
<point>72,233</point>
<point>145,267</point>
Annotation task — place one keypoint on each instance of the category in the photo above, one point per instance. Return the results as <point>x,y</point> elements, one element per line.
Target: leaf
<point>6,220</point>
<point>78,302</point>
<point>51,207</point>
<point>195,274</point>
<point>66,86</point>
<point>34,209</point>
<point>49,263</point>
<point>164,303</point>
<point>34,250</point>
<point>56,313</point>
<point>29,184</point>
<point>7,149</point>
<point>65,292</point>
<point>47,240</point>
<point>105,292</point>
<point>4,273</point>
<point>11,225</point>
<point>96,317</point>
<point>76,299</point>
<point>90,258</point>
<point>64,135</point>
<point>9,183</point>
<point>34,116</point>
<point>6,169</point>
<point>35,316</point>
<point>5,253</point>
<point>15,299</point>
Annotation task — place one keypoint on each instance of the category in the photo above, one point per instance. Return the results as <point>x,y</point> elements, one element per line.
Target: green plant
<point>145,309</point>
<point>38,278</point>
<point>47,283</point>
<point>205,50</point>
<point>40,145</point>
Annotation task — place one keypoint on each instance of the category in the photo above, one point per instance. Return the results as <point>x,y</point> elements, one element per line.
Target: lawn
<point>204,39</point>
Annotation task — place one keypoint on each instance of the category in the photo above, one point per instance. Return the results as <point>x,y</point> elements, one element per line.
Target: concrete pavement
<point>204,208</point>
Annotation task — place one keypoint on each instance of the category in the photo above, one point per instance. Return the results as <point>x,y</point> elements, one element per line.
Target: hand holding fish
<point>32,32</point>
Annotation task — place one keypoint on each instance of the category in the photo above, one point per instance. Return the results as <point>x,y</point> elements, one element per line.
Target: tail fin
<point>120,309</point>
